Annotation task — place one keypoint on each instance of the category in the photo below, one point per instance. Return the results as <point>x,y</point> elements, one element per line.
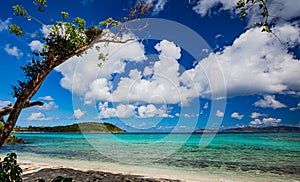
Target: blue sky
<point>193,67</point>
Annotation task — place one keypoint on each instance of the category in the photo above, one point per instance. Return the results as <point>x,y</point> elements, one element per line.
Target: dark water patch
<point>234,166</point>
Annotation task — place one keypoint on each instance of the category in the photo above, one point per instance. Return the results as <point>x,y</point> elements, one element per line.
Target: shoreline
<point>79,170</point>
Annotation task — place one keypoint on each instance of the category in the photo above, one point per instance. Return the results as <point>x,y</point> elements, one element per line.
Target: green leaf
<point>15,29</point>
<point>41,4</point>
<point>19,10</point>
<point>243,15</point>
<point>65,15</point>
<point>81,22</point>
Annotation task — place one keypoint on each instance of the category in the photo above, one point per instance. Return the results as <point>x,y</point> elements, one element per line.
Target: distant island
<point>248,129</point>
<point>93,127</point>
<point>88,127</point>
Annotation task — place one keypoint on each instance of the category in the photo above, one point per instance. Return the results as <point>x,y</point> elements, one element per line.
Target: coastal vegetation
<point>11,139</point>
<point>89,127</point>
<point>9,169</point>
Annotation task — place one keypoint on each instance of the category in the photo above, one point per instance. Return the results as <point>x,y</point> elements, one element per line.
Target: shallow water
<point>260,155</point>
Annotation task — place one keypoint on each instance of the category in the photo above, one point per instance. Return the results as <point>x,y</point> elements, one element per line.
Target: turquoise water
<point>275,155</point>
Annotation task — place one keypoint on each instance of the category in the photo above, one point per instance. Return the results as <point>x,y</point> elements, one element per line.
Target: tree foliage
<point>10,171</point>
<point>246,5</point>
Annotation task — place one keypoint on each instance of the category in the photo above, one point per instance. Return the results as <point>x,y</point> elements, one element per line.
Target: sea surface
<point>275,156</point>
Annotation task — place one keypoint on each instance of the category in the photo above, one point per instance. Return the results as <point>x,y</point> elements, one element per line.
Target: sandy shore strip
<point>83,171</point>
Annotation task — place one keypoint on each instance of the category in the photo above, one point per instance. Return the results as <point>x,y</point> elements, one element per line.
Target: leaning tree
<point>66,38</point>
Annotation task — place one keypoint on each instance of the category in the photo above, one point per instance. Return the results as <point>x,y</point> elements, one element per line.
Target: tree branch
<point>7,110</point>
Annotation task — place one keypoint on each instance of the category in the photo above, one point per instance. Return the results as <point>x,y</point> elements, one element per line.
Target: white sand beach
<point>49,168</point>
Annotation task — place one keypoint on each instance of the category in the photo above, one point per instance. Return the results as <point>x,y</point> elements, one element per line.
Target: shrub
<point>9,169</point>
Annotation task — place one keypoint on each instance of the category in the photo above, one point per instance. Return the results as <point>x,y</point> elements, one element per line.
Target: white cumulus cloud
<point>48,98</point>
<point>219,113</point>
<point>13,51</point>
<point>256,115</point>
<point>237,115</point>
<point>78,113</point>
<point>38,116</point>
<point>150,111</point>
<point>285,10</point>
<point>36,45</point>
<point>269,101</point>
<point>121,111</point>
<point>266,121</point>
<point>295,108</point>
<point>204,7</point>
<point>254,55</point>
<point>48,106</point>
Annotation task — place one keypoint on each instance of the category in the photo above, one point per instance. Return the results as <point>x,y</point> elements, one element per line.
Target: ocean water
<point>275,156</point>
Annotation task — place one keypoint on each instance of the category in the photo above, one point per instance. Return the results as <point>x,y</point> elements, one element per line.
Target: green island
<point>88,127</point>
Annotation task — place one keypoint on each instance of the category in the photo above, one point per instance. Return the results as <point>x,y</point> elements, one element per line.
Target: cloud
<point>279,11</point>
<point>237,116</point>
<point>254,55</point>
<point>205,105</point>
<point>48,98</point>
<point>255,115</point>
<point>4,24</point>
<point>256,122</point>
<point>295,108</point>
<point>13,51</point>
<point>91,82</point>
<point>38,116</point>
<point>157,89</point>
<point>266,121</point>
<point>121,111</point>
<point>46,30</point>
<point>48,106</point>
<point>130,111</point>
<point>4,103</point>
<point>285,10</point>
<point>168,50</point>
<point>219,114</point>
<point>129,77</point>
<point>150,111</point>
<point>36,45</point>
<point>159,6</point>
<point>79,114</point>
<point>269,101</point>
<point>204,7</point>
